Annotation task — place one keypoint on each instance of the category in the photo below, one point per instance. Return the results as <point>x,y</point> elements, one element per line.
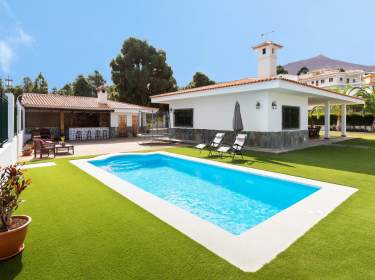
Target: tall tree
<point>281,70</point>
<point>96,79</point>
<point>199,80</point>
<point>140,71</point>
<point>67,89</point>
<point>82,87</point>
<point>303,70</point>
<point>40,84</point>
<point>27,84</point>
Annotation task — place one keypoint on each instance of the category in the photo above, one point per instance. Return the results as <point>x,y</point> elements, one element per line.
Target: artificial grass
<point>370,143</point>
<point>83,230</point>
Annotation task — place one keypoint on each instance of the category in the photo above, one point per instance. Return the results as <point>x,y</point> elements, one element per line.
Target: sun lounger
<point>214,144</point>
<point>236,148</point>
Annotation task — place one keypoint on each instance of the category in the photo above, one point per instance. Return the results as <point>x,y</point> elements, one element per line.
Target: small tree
<point>82,87</point>
<point>303,70</point>
<point>96,79</point>
<point>12,184</point>
<point>27,84</point>
<point>368,94</point>
<point>40,84</point>
<point>199,80</point>
<point>281,70</point>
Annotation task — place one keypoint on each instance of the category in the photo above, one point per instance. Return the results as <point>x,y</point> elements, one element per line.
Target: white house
<point>328,78</point>
<point>274,109</point>
<point>89,117</point>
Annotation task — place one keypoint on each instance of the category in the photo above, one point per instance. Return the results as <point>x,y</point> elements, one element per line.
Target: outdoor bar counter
<point>87,131</point>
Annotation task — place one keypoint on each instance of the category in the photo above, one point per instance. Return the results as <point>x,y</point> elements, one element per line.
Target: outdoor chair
<point>213,145</point>
<point>43,147</point>
<point>236,148</point>
<point>88,135</point>
<point>78,135</point>
<point>97,134</point>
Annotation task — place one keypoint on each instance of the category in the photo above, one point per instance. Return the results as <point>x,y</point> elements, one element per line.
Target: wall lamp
<point>274,105</point>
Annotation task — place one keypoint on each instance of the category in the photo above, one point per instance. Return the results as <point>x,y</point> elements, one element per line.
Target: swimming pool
<point>244,215</point>
<point>233,200</point>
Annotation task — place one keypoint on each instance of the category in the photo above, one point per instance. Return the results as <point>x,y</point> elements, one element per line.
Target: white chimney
<point>102,94</point>
<point>267,58</point>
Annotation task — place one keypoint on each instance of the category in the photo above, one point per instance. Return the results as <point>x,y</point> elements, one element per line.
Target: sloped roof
<point>247,81</point>
<point>55,101</point>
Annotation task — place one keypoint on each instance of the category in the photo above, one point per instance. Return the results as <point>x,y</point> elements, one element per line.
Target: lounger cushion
<point>200,146</point>
<point>223,149</point>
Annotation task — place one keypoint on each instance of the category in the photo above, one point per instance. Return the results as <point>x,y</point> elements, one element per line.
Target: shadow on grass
<point>333,157</point>
<point>9,269</point>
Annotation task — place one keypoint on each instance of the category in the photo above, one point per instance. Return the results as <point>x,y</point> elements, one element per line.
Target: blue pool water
<point>230,199</point>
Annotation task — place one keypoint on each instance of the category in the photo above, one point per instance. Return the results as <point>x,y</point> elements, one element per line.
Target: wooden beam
<point>62,125</point>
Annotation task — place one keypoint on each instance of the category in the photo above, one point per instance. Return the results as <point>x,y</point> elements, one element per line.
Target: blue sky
<point>62,39</point>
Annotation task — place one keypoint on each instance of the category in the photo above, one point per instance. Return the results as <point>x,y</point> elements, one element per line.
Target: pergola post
<point>327,120</point>
<point>343,120</point>
<point>62,124</point>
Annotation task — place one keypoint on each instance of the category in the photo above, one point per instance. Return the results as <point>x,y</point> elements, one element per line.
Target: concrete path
<point>116,145</point>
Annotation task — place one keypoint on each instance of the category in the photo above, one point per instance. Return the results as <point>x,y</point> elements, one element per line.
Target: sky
<point>63,39</point>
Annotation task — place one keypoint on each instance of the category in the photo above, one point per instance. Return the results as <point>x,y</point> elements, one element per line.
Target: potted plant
<point>62,141</point>
<point>12,228</point>
<point>27,150</point>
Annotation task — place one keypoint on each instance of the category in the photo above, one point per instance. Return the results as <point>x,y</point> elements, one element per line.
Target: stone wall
<point>254,139</point>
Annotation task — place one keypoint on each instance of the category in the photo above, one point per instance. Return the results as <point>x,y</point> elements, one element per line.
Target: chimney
<point>267,58</point>
<point>102,94</point>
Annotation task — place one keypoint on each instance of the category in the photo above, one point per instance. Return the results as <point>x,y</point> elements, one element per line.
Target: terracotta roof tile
<point>245,82</point>
<point>55,101</point>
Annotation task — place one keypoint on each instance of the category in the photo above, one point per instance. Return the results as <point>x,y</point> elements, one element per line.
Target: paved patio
<point>116,145</point>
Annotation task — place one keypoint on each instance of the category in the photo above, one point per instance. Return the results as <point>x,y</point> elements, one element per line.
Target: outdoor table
<point>67,148</point>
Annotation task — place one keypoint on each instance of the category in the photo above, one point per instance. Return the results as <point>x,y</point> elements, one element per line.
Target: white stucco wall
<point>9,153</point>
<point>216,112</point>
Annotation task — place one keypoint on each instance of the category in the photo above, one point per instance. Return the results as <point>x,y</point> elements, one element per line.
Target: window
<point>322,81</point>
<point>354,80</point>
<point>330,80</point>
<point>312,82</point>
<point>341,79</point>
<point>290,117</point>
<point>264,51</point>
<point>347,80</point>
<point>316,83</point>
<point>183,118</point>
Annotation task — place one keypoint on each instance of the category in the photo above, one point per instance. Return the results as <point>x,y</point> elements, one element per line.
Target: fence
<point>3,119</point>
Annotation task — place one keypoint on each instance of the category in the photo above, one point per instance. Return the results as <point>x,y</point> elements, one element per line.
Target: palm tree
<point>368,94</point>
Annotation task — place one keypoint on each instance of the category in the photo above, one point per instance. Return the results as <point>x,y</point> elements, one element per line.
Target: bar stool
<point>88,135</point>
<point>79,135</point>
<point>105,134</point>
<point>97,134</point>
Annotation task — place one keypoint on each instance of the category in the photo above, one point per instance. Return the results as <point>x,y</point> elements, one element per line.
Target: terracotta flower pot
<point>11,242</point>
<point>26,153</point>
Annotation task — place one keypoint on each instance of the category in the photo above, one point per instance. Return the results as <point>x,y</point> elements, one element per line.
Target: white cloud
<point>6,56</point>
<point>12,36</point>
<point>23,37</point>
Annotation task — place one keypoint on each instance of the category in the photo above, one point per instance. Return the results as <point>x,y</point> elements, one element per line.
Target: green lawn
<point>83,230</point>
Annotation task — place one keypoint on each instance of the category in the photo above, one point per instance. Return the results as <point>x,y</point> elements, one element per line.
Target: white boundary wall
<point>11,150</point>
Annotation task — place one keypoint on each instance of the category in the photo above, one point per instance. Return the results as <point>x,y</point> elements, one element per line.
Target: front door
<point>122,126</point>
<point>135,125</point>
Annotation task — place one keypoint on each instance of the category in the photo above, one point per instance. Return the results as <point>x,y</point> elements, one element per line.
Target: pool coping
<point>253,248</point>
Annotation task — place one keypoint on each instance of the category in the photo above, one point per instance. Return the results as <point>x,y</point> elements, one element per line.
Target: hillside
<point>322,61</point>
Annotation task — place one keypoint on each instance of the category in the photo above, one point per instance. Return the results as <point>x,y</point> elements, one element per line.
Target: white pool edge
<point>256,246</point>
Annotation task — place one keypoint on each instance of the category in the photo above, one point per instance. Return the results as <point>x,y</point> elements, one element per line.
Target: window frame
<point>183,126</point>
<point>283,126</point>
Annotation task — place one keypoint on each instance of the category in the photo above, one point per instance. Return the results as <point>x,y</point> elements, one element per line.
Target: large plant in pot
<point>12,228</point>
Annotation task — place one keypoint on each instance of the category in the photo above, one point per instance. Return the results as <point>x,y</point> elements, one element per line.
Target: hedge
<point>353,119</point>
